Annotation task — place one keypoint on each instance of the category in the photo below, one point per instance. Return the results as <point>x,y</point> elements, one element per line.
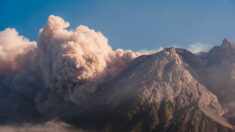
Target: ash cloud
<point>67,58</point>
<point>16,52</point>
<point>70,62</point>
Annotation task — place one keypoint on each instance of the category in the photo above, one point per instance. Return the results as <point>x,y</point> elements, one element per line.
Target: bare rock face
<point>154,93</point>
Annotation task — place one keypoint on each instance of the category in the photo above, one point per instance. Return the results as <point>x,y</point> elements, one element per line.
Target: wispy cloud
<point>148,52</point>
<point>199,47</point>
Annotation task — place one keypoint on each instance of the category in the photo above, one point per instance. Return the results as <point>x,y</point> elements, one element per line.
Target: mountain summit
<point>227,43</point>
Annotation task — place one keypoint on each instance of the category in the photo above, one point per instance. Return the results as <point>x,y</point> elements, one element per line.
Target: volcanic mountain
<point>172,90</point>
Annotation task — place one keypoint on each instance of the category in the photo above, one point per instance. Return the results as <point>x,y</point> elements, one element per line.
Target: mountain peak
<point>227,44</point>
<point>170,49</point>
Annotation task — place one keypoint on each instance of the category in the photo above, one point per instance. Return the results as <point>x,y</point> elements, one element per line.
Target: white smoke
<point>149,52</point>
<point>69,57</point>
<point>16,52</point>
<point>199,47</point>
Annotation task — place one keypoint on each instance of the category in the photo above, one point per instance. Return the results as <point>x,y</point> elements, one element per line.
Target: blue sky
<point>130,24</point>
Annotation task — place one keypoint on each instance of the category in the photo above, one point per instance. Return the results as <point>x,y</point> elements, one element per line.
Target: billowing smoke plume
<point>66,59</point>
<point>42,80</point>
<point>16,52</point>
<point>69,63</point>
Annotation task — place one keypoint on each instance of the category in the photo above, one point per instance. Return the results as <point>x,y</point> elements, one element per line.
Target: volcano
<point>172,90</point>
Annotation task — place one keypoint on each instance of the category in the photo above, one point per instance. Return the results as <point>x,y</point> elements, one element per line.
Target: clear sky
<point>130,24</point>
